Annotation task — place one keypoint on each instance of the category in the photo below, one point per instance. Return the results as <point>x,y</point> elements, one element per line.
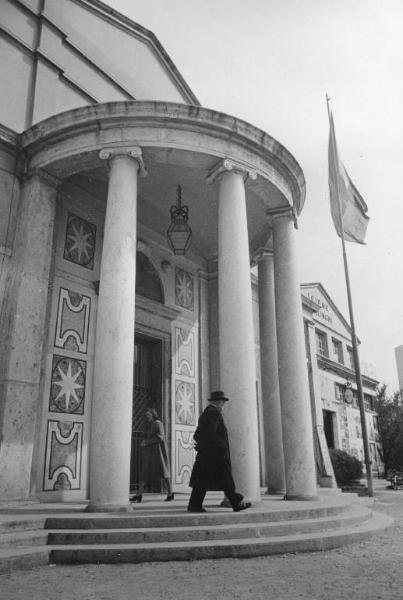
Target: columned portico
<point>228,220</point>
<point>113,367</point>
<point>237,357</point>
<point>269,375</point>
<point>293,378</point>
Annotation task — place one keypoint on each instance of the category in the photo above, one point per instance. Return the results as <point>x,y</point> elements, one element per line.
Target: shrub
<point>346,467</point>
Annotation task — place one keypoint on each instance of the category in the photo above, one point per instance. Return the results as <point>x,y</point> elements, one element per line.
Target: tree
<point>390,427</point>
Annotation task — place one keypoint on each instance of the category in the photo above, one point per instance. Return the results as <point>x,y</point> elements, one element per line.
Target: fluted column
<point>296,416</point>
<point>111,418</point>
<point>273,438</point>
<point>237,352</point>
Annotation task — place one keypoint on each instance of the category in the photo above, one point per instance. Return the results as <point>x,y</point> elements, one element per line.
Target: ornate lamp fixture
<point>348,392</point>
<point>179,233</point>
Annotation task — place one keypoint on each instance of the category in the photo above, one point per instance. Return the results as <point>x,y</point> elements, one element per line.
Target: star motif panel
<point>184,355</point>
<point>67,386</point>
<point>63,456</point>
<point>184,289</point>
<point>185,413</point>
<point>73,316</point>
<point>80,240</point>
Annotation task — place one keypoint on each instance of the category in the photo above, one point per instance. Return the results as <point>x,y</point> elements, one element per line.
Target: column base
<point>93,507</point>
<point>301,497</point>
<point>273,492</point>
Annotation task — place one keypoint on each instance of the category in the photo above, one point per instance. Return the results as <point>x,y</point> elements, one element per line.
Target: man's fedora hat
<point>218,395</point>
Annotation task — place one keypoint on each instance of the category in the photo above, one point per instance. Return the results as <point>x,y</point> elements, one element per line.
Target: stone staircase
<point>155,531</point>
<point>23,543</point>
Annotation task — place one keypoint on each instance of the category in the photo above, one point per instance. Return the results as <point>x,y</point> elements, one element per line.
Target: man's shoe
<point>242,506</point>
<point>197,510</point>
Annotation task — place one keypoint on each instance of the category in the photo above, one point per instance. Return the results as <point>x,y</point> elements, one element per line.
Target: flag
<point>346,203</point>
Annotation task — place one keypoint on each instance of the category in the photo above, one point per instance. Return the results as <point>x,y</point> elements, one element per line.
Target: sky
<point>271,63</point>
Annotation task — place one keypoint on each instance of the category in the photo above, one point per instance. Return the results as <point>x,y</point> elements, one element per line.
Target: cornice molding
<point>326,364</point>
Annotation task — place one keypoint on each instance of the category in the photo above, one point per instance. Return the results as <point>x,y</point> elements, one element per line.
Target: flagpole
<point>356,358</point>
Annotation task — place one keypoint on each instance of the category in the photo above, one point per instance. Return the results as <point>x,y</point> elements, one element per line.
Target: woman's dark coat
<point>212,468</point>
<point>154,456</point>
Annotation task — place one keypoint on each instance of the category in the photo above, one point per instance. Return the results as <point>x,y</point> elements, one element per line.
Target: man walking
<point>212,468</point>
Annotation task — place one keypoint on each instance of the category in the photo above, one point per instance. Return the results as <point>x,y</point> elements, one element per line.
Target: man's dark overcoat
<point>212,468</point>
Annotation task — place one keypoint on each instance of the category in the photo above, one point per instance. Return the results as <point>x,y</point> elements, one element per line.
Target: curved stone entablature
<point>152,124</point>
<point>179,143</point>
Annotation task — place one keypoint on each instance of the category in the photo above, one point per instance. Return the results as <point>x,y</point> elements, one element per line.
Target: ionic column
<point>237,345</point>
<point>273,438</point>
<point>296,416</point>
<point>111,418</point>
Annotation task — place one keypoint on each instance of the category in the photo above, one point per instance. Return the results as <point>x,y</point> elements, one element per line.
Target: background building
<point>332,371</point>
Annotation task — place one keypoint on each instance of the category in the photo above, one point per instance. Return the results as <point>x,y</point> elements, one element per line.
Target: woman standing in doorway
<point>154,457</point>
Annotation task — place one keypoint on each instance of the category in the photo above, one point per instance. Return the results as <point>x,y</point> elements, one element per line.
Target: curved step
<point>176,516</point>
<point>235,548</point>
<point>139,535</point>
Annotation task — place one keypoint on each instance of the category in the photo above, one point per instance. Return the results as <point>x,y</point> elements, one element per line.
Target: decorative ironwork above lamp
<point>179,233</point>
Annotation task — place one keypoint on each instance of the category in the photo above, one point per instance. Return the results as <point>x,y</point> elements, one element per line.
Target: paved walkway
<point>365,571</point>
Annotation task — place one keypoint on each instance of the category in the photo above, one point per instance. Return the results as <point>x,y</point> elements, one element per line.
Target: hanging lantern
<point>179,233</point>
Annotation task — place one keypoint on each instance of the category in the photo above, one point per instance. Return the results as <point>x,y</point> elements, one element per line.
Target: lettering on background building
<point>323,311</point>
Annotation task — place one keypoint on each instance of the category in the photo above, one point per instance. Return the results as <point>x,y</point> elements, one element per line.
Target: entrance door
<point>147,393</point>
<point>328,426</point>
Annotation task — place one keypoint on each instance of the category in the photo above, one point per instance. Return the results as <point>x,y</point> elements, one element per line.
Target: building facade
<point>101,316</point>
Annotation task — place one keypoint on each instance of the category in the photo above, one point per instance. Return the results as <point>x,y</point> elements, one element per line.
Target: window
<point>368,402</point>
<point>339,392</point>
<point>321,343</point>
<point>337,349</point>
<point>350,358</point>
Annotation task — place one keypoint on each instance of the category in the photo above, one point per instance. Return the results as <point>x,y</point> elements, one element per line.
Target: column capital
<point>261,254</point>
<point>227,164</point>
<point>134,152</point>
<point>288,212</point>
<point>44,176</point>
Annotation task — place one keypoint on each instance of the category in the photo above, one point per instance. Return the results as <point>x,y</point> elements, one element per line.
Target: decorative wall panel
<point>345,435</point>
<point>185,403</point>
<point>185,456</point>
<point>63,456</point>
<point>184,289</point>
<point>79,245</point>
<point>184,352</point>
<point>72,323</point>
<point>67,386</point>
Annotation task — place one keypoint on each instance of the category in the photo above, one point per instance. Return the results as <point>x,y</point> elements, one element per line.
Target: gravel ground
<point>372,570</point>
